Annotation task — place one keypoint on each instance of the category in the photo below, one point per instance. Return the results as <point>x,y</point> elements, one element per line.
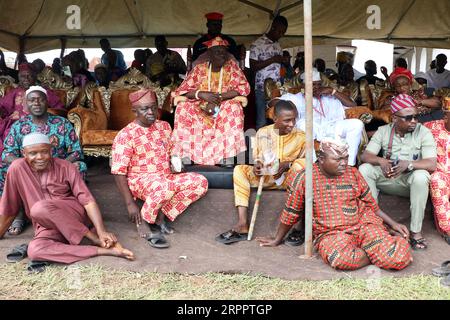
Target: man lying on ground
<point>58,203</point>
<point>348,225</point>
<point>141,167</point>
<point>286,143</point>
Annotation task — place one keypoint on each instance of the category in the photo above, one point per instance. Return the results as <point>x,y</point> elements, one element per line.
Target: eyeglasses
<point>408,118</point>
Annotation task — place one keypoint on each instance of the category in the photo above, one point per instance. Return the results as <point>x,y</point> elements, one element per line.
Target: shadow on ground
<point>193,248</point>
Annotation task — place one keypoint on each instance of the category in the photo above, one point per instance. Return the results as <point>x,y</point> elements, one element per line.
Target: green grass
<point>97,282</point>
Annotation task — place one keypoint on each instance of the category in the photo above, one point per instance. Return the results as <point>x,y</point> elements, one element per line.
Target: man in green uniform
<point>408,156</point>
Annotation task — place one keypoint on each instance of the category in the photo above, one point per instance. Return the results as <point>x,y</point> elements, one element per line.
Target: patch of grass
<point>97,282</point>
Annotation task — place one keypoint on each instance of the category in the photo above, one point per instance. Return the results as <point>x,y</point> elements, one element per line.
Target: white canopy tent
<point>38,25</point>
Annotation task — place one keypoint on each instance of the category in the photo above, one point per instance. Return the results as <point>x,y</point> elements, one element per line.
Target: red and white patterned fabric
<point>402,101</point>
<point>440,179</point>
<point>345,222</point>
<point>203,139</point>
<point>143,155</point>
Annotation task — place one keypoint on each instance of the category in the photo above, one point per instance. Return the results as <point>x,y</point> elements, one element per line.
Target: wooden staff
<point>255,208</point>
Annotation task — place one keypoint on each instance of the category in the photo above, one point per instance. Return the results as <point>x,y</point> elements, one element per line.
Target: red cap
<point>401,72</point>
<point>214,16</point>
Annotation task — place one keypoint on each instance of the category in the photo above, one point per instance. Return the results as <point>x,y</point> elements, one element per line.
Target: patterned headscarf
<point>401,72</point>
<point>402,101</point>
<point>142,97</point>
<point>217,41</point>
<point>336,146</point>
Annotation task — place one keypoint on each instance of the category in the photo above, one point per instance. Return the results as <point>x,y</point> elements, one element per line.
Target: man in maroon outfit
<point>58,203</point>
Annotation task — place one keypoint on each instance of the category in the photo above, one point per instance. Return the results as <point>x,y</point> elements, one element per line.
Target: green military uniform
<point>416,145</point>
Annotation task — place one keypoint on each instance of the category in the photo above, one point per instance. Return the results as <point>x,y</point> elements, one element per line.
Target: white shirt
<point>262,49</point>
<point>437,80</point>
<point>325,114</point>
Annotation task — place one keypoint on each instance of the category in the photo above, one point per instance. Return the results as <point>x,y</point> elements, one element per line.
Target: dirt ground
<point>193,248</point>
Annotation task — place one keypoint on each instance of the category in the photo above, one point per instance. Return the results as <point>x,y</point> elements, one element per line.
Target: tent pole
<point>307,18</point>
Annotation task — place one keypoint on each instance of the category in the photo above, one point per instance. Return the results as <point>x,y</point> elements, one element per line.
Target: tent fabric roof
<point>39,24</point>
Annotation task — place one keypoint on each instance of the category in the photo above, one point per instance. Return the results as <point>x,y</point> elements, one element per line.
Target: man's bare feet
<point>122,252</point>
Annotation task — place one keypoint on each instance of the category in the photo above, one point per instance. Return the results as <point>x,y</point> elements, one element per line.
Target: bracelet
<point>220,96</point>
<point>196,94</point>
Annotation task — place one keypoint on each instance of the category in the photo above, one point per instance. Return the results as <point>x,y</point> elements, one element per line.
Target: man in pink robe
<point>58,203</point>
<point>13,105</point>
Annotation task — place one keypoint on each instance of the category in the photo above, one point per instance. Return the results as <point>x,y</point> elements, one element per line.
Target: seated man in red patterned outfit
<point>347,222</point>
<point>141,167</point>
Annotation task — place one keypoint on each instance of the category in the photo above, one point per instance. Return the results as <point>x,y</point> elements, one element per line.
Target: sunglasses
<point>408,118</point>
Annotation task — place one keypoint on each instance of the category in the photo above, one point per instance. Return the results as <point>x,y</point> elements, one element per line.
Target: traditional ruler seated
<point>278,152</point>
<point>209,119</point>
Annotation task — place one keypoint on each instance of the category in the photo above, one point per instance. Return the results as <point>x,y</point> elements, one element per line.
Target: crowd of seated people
<point>42,164</point>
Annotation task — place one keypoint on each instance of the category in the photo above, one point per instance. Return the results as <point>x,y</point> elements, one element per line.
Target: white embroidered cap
<point>34,138</point>
<point>35,88</point>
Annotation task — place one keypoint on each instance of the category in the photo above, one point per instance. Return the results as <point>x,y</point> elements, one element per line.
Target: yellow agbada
<point>289,147</point>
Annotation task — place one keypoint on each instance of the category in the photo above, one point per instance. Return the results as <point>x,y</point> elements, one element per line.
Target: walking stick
<point>255,208</point>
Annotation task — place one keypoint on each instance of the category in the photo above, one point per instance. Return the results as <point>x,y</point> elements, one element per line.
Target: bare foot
<point>122,252</point>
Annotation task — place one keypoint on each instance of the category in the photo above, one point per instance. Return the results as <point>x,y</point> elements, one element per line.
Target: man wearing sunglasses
<point>408,156</point>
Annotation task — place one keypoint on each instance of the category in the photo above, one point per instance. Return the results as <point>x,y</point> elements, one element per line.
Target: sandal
<point>231,236</point>
<point>418,244</point>
<point>19,225</point>
<point>295,238</point>
<point>165,228</point>
<point>157,240</point>
<point>37,266</point>
<point>17,253</point>
<point>443,270</point>
<point>446,238</point>
<point>446,281</point>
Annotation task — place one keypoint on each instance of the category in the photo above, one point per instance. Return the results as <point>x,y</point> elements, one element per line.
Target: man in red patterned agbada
<point>440,179</point>
<point>348,225</point>
<point>209,126</point>
<point>142,170</point>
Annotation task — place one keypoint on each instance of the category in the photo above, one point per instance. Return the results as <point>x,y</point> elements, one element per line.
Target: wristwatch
<point>410,166</point>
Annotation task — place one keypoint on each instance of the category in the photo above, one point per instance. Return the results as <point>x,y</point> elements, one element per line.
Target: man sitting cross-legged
<point>58,203</point>
<point>141,168</point>
<point>286,144</point>
<point>348,225</point>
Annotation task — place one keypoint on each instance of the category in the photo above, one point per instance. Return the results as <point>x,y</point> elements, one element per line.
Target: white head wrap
<point>35,88</point>
<point>34,138</point>
<point>315,75</point>
<point>337,146</point>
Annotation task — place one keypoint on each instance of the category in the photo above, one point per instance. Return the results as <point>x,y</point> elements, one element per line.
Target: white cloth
<point>315,75</point>
<point>262,49</point>
<point>437,80</point>
<point>329,121</point>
